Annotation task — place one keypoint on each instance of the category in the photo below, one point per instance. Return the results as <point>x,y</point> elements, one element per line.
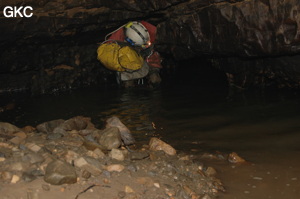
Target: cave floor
<point>263,129</point>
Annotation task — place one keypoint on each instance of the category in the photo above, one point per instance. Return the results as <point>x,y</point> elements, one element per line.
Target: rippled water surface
<point>262,128</point>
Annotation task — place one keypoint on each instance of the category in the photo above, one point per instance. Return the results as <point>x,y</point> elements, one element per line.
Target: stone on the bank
<point>33,158</point>
<point>48,127</point>
<point>15,179</point>
<point>33,147</point>
<point>128,189</point>
<point>235,158</point>
<point>89,164</point>
<point>28,129</point>
<point>156,144</point>
<point>124,131</point>
<point>117,154</point>
<point>115,167</point>
<point>59,172</point>
<point>138,155</point>
<point>110,138</point>
<point>18,166</point>
<point>75,123</point>
<point>210,171</point>
<point>8,128</point>
<point>5,176</point>
<point>19,137</point>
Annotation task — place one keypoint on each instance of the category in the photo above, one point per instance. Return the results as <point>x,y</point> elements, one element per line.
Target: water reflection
<point>264,129</point>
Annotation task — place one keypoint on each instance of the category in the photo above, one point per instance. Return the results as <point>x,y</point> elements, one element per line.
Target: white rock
<point>115,167</point>
<point>15,179</point>
<point>128,189</point>
<point>117,154</point>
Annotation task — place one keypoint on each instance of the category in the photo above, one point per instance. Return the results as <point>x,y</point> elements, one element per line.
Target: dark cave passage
<point>229,82</point>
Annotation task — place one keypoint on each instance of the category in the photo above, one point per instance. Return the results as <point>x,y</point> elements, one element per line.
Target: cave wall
<point>56,48</point>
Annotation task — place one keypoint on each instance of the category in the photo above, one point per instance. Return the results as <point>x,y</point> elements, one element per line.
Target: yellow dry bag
<point>115,57</point>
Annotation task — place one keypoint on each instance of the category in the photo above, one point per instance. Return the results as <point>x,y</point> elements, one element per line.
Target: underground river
<point>263,128</point>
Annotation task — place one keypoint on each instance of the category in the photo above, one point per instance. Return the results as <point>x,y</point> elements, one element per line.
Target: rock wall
<point>56,47</point>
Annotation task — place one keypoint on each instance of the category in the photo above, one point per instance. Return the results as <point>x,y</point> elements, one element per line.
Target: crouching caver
<point>129,50</point>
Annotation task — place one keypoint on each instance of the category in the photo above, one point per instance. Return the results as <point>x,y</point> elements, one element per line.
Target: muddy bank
<point>74,159</point>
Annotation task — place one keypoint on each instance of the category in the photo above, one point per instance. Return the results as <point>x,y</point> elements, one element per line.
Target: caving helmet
<point>137,35</point>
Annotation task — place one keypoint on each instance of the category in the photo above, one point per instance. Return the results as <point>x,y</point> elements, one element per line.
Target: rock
<point>147,181</point>
<point>124,131</point>
<point>7,128</point>
<point>48,127</point>
<point>235,158</point>
<point>18,166</point>
<point>59,172</point>
<point>28,177</point>
<point>6,175</point>
<point>210,171</point>
<point>28,129</point>
<point>138,155</point>
<point>15,179</point>
<point>33,158</point>
<point>72,140</point>
<point>91,145</point>
<point>115,167</point>
<point>19,137</point>
<point>156,144</point>
<point>132,168</point>
<point>128,189</point>
<point>117,154</point>
<point>121,194</point>
<point>45,187</point>
<point>76,123</point>
<point>111,138</point>
<point>85,174</point>
<point>33,147</point>
<point>89,164</point>
<point>54,136</point>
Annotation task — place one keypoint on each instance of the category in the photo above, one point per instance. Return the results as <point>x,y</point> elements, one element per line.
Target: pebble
<point>28,177</point>
<point>132,168</point>
<point>235,158</point>
<point>128,189</point>
<point>45,187</point>
<point>15,179</point>
<point>121,194</point>
<point>85,174</point>
<point>33,147</point>
<point>115,167</point>
<point>90,164</point>
<point>257,178</point>
<point>116,154</point>
<point>210,171</point>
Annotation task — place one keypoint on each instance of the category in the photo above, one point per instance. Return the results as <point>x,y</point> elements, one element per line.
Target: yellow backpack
<point>117,58</point>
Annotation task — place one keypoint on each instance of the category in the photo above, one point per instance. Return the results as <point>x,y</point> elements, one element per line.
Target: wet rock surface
<point>66,166</point>
<point>55,49</point>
